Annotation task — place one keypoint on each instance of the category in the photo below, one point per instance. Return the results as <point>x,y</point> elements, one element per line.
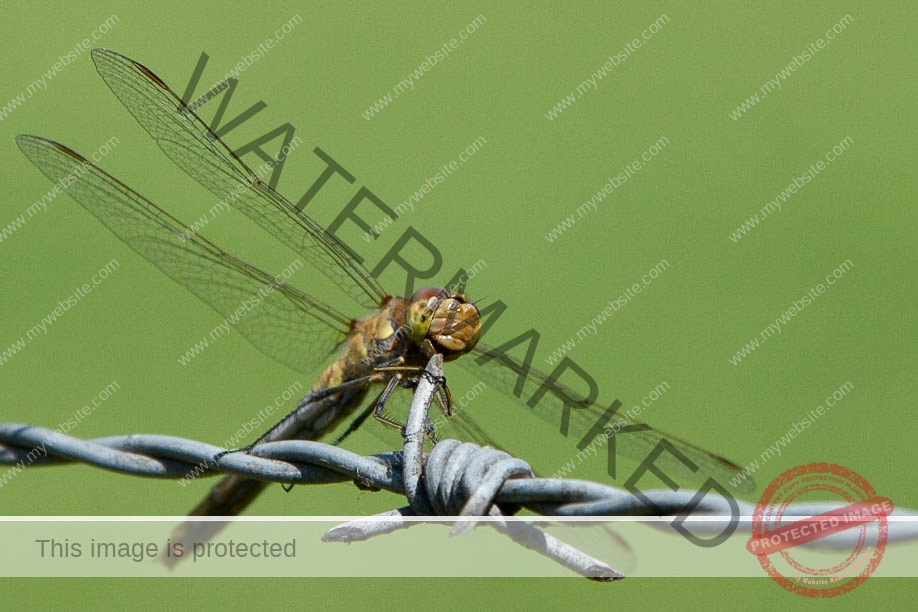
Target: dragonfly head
<point>448,319</point>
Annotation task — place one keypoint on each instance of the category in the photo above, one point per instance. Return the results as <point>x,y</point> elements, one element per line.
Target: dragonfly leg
<point>445,399</point>
<point>355,424</point>
<point>380,403</point>
<point>417,372</point>
<point>388,364</point>
<point>443,395</point>
<point>399,368</point>
<point>427,348</point>
<point>431,432</point>
<point>363,381</point>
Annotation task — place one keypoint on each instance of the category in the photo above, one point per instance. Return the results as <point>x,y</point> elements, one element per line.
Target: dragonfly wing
<point>200,153</point>
<point>281,321</point>
<point>634,444</point>
<point>461,426</point>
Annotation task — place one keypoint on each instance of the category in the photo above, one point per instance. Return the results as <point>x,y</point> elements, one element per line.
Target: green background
<point>532,173</point>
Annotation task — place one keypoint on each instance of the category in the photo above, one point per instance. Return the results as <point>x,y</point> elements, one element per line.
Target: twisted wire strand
<point>461,478</point>
<point>454,479</point>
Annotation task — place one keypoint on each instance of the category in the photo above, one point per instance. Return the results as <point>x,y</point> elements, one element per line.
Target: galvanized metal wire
<point>453,479</point>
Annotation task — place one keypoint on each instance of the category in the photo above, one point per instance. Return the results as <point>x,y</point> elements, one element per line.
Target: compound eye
<point>422,295</point>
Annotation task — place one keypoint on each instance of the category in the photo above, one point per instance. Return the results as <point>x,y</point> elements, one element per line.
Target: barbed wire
<point>455,479</point>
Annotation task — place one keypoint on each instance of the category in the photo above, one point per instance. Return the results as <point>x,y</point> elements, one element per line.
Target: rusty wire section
<point>455,479</point>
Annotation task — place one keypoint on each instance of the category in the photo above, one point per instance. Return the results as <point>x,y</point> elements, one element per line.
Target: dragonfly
<point>383,349</point>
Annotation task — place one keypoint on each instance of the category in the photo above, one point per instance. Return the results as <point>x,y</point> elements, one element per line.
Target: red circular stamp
<point>776,539</point>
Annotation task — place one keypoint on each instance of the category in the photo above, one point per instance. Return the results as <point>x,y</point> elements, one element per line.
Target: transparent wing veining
<point>201,154</point>
<point>283,322</point>
<point>634,444</point>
